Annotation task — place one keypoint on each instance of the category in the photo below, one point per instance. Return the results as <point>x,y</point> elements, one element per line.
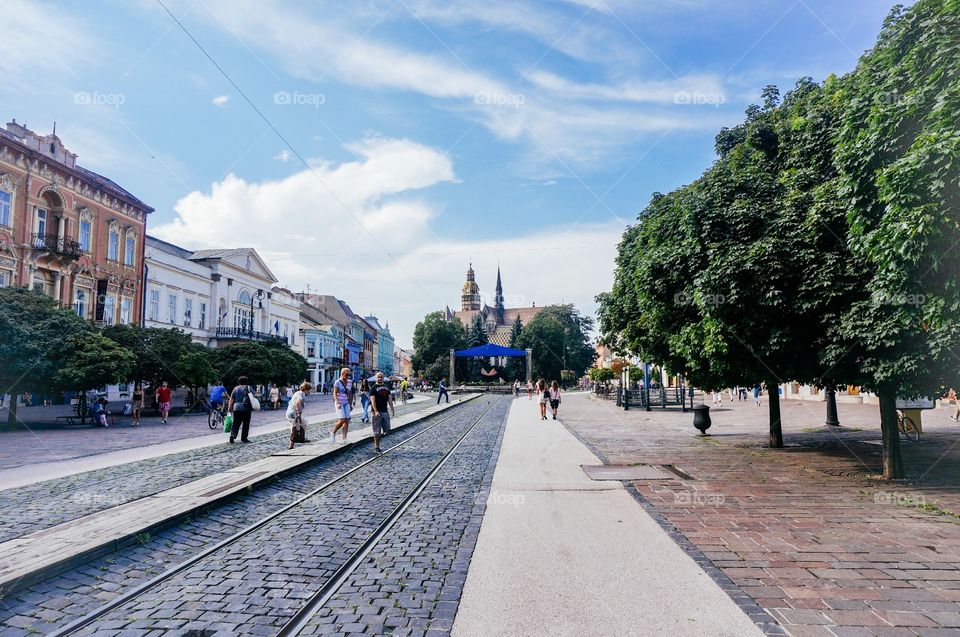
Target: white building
<point>217,296</point>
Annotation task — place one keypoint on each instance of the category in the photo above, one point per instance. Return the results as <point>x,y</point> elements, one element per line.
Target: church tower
<point>470,299</point>
<point>498,299</point>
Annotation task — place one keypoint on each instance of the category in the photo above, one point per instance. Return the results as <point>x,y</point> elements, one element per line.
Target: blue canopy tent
<point>489,350</point>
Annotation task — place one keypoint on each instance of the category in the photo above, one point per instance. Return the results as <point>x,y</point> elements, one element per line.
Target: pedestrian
<point>404,388</point>
<point>730,393</point>
<point>164,400</point>
<point>341,398</point>
<point>529,390</point>
<point>275,397</point>
<point>554,398</point>
<point>544,392</point>
<point>952,398</point>
<point>717,397</point>
<point>756,394</point>
<point>101,413</point>
<point>442,391</point>
<point>298,429</point>
<point>382,400</point>
<point>136,403</point>
<point>289,394</point>
<point>242,408</point>
<point>365,400</point>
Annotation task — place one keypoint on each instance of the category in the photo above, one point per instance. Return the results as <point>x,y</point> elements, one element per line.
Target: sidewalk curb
<point>14,579</point>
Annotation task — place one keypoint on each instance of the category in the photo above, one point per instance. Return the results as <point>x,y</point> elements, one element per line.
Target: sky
<point>372,149</point>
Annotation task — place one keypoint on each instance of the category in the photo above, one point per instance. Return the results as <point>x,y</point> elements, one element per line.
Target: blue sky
<point>419,134</point>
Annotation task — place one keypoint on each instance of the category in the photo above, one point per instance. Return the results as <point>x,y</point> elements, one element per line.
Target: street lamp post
<point>259,297</point>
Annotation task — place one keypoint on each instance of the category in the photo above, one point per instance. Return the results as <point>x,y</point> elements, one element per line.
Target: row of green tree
<point>821,246</point>
<point>45,349</point>
<point>559,337</point>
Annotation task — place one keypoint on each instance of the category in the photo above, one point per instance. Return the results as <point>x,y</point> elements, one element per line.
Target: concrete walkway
<point>560,554</point>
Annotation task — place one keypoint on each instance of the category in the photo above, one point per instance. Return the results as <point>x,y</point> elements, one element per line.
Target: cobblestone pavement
<point>58,600</point>
<point>40,441</point>
<point>810,532</point>
<point>412,582</point>
<point>45,504</point>
<point>253,585</point>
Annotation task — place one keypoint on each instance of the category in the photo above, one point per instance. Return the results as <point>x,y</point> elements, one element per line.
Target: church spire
<point>470,297</point>
<point>498,298</point>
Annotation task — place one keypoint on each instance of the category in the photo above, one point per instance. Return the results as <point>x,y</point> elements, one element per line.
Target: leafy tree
<point>898,154</point>
<point>260,362</point>
<point>516,367</point>
<point>93,360</point>
<point>156,351</point>
<point>289,366</point>
<point>34,337</point>
<point>559,338</point>
<point>433,338</point>
<point>475,337</point>
<point>194,368</point>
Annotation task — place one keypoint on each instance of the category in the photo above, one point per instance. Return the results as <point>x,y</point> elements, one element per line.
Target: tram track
<point>91,618</point>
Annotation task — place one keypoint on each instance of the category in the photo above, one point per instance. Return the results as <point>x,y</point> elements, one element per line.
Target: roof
<point>490,349</point>
<point>97,179</point>
<point>168,247</point>
<point>220,253</point>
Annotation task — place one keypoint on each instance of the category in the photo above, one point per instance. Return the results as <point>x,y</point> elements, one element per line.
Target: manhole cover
<point>625,472</point>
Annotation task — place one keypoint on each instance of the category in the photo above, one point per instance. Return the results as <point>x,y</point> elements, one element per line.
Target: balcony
<point>236,333</point>
<point>57,245</point>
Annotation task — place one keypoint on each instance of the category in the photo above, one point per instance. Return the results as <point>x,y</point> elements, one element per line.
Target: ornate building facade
<point>498,319</point>
<point>67,231</point>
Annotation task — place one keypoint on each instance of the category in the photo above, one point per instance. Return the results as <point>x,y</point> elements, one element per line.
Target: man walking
<point>381,399</point>
<point>443,391</point>
<point>164,400</point>
<point>341,398</point>
<point>242,408</point>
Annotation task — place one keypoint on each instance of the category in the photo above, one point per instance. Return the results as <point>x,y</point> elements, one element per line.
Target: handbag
<point>227,423</point>
<point>254,403</point>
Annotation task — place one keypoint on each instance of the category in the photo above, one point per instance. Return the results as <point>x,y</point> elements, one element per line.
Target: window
<point>6,203</point>
<point>85,235</point>
<point>172,309</point>
<point>154,311</point>
<point>187,312</point>
<point>81,303</point>
<point>125,311</point>
<point>129,250</point>
<point>41,227</point>
<point>113,248</point>
<point>109,309</point>
<point>311,349</point>
<point>202,323</point>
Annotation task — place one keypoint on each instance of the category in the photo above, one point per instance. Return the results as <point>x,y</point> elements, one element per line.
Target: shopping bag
<point>227,423</point>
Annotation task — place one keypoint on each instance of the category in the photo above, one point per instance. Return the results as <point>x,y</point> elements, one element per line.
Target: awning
<point>490,350</point>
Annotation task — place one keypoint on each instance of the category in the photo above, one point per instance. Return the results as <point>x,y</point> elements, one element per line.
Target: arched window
<point>244,297</point>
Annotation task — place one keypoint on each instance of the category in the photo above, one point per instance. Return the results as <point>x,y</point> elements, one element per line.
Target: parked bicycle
<point>907,428</point>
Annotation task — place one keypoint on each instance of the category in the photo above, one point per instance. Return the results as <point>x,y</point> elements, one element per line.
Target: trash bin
<point>701,418</point>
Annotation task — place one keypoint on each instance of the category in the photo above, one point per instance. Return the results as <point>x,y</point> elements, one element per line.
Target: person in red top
<point>164,399</point>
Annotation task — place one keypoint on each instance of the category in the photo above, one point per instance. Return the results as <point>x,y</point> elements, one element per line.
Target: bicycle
<point>215,419</point>
<point>907,428</point>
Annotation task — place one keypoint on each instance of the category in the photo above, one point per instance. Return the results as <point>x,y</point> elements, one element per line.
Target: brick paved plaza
<point>810,531</point>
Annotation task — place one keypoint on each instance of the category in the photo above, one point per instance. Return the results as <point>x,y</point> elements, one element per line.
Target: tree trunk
<point>892,461</point>
<point>776,432</point>
<point>12,409</point>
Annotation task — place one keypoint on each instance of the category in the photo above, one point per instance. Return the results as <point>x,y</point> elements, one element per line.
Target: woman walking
<point>544,394</point>
<point>242,408</point>
<point>365,399</point>
<point>341,398</point>
<point>274,397</point>
<point>529,390</point>
<point>136,403</point>
<point>554,398</point>
<point>298,430</point>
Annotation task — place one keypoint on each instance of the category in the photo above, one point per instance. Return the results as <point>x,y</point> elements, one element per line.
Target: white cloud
<point>221,101</point>
<point>42,43</point>
<point>283,155</point>
<point>660,92</point>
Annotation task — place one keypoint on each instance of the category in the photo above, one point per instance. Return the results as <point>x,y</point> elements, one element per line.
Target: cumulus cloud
<point>283,155</point>
<point>221,101</point>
